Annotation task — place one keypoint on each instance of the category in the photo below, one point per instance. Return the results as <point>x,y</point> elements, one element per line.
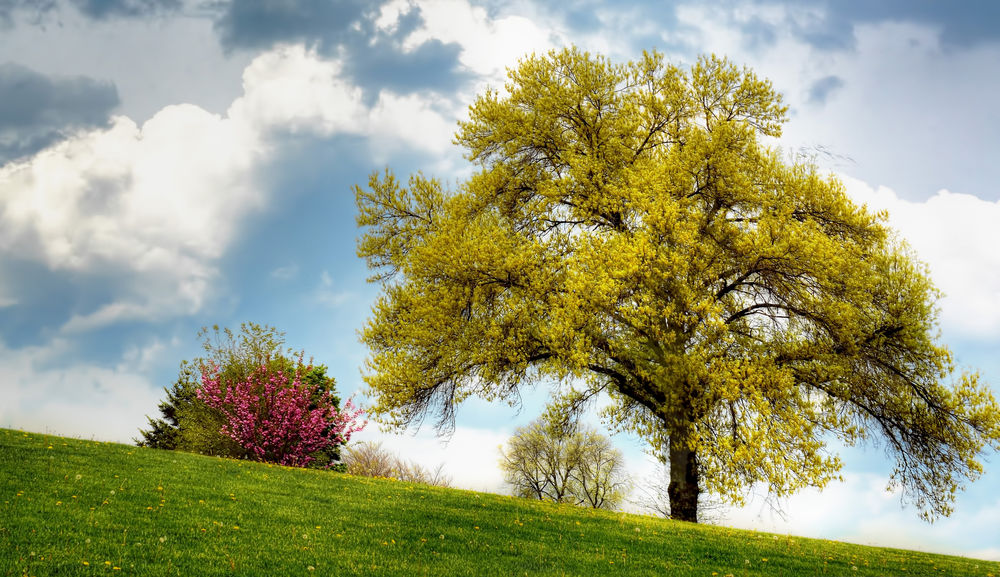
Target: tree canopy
<point>630,232</point>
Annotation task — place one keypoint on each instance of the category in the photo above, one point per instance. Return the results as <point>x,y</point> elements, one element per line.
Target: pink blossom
<point>271,417</point>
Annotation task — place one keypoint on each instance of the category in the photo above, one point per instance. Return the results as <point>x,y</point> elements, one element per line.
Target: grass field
<point>76,507</point>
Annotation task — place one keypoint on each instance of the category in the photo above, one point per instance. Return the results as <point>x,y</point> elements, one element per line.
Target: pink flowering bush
<point>277,418</point>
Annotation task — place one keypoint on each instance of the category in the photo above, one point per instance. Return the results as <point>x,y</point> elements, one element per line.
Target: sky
<point>172,164</point>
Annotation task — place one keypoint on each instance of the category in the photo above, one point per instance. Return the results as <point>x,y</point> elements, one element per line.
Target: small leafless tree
<point>565,462</point>
<point>368,459</point>
<point>600,475</point>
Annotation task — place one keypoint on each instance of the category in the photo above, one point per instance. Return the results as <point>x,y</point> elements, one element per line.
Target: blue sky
<point>170,164</point>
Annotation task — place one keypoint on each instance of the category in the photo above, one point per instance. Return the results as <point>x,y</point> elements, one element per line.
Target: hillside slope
<point>76,507</point>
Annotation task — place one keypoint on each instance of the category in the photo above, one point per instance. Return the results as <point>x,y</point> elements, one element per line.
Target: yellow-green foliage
<point>629,233</point>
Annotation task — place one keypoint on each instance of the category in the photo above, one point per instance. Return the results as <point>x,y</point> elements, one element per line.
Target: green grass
<point>76,507</point>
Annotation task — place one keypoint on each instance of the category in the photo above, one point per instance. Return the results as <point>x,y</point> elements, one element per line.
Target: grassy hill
<point>76,507</point>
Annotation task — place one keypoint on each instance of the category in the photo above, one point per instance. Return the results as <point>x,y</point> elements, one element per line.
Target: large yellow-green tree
<point>629,232</point>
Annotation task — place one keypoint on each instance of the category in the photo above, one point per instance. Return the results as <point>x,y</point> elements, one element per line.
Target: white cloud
<point>409,121</point>
<point>490,43</point>
<point>291,89</point>
<point>151,206</point>
<point>957,236</point>
<point>80,400</point>
<point>154,207</point>
<point>390,13</point>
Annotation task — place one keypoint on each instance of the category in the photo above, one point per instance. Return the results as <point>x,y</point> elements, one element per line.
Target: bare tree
<point>556,461</point>
<point>600,475</point>
<point>368,459</point>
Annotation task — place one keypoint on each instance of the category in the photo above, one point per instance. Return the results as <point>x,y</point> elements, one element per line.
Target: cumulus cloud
<point>155,206</point>
<point>366,35</point>
<point>405,45</point>
<point>489,43</point>
<point>957,236</point>
<point>291,89</point>
<point>410,121</point>
<point>151,206</point>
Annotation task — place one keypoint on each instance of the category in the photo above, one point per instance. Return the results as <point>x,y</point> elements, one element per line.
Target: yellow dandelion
<point>87,564</point>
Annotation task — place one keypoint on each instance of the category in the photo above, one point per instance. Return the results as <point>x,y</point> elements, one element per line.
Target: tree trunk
<point>683,488</point>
